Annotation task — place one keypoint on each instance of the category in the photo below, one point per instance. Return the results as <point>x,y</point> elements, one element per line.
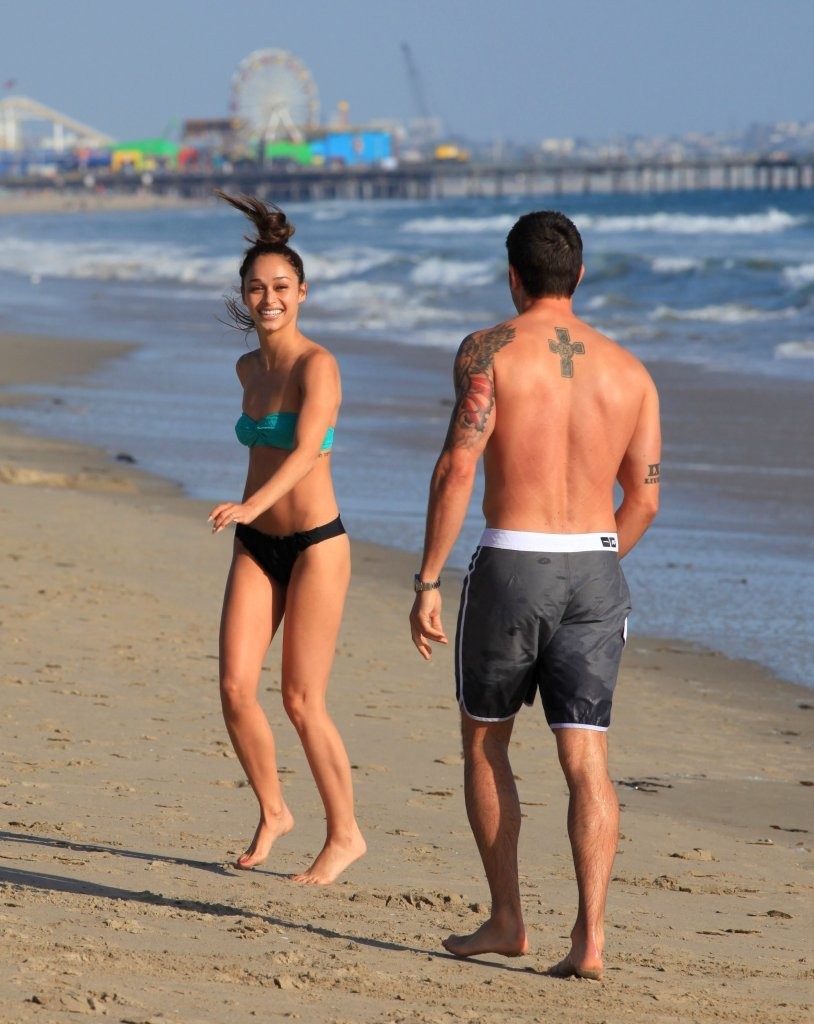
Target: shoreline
<point>724,438</point>
<point>34,460</point>
<point>124,804</point>
<point>22,202</point>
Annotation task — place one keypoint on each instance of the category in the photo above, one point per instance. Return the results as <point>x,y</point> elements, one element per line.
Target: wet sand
<point>54,200</point>
<point>123,805</point>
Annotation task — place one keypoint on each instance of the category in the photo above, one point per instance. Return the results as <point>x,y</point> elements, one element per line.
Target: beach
<point>124,805</point>
<point>711,290</point>
<point>56,200</point>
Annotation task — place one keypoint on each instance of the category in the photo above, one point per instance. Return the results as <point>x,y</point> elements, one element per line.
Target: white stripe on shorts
<point>577,725</point>
<point>524,540</point>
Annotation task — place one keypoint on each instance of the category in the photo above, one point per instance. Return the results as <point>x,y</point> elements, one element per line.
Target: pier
<point>442,180</point>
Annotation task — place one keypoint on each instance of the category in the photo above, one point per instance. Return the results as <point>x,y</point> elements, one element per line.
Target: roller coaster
<point>23,121</point>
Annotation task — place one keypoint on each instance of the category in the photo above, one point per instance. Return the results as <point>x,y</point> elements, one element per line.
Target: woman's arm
<point>321,398</point>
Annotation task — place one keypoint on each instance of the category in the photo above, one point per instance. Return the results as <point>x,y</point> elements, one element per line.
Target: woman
<point>291,552</point>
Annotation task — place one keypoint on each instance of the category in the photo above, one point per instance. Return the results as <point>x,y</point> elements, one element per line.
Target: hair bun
<point>271,224</point>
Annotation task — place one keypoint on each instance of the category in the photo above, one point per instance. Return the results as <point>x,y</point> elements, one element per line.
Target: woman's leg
<point>253,606</point>
<point>314,604</point>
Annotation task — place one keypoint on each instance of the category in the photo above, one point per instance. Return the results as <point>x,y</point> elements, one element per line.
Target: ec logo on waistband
<point>608,542</point>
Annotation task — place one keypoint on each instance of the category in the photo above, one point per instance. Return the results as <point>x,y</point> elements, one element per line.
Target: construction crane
<point>427,129</point>
<point>415,83</point>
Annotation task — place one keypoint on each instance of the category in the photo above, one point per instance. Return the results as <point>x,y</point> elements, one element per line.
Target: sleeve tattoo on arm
<point>475,384</point>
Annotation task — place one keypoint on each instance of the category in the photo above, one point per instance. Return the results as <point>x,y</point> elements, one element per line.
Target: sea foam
<point>770,221</point>
<point>794,350</point>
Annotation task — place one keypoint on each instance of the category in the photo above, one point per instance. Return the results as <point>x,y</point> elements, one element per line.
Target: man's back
<point>572,410</point>
<point>559,413</point>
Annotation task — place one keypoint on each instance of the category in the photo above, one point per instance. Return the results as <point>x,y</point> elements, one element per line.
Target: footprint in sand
<point>696,854</point>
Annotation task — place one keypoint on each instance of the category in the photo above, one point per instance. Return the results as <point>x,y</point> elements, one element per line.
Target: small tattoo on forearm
<point>566,350</point>
<point>653,473</point>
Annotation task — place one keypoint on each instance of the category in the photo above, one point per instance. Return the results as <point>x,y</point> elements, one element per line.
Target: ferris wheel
<point>274,96</point>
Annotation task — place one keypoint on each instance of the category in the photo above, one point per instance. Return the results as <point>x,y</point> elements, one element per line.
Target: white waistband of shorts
<point>525,540</point>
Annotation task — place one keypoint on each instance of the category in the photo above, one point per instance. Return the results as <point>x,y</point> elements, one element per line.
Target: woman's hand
<point>229,514</point>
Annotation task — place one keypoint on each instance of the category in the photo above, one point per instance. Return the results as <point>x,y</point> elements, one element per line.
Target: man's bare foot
<point>269,830</point>
<point>568,969</point>
<point>332,860</point>
<point>489,938</point>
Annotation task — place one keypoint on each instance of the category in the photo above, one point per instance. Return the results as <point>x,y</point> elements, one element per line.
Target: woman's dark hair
<point>545,249</point>
<point>273,230</point>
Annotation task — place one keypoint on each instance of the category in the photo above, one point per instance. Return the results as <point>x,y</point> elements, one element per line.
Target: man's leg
<point>493,808</point>
<point>593,828</point>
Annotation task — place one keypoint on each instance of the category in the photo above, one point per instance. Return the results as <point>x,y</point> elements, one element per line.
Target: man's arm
<point>470,427</point>
<point>640,474</point>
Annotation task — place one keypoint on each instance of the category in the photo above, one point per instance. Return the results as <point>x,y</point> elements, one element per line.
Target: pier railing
<point>447,180</point>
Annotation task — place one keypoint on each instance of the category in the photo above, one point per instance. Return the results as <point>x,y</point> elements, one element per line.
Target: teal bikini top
<point>274,431</point>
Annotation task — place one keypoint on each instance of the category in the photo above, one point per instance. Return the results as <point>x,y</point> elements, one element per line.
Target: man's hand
<point>425,622</point>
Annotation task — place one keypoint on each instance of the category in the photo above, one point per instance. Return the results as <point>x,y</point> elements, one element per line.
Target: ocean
<point>712,290</point>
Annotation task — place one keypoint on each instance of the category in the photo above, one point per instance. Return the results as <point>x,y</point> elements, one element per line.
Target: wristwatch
<point>419,585</point>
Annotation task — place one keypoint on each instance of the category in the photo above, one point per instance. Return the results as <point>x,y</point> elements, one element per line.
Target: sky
<point>492,70</point>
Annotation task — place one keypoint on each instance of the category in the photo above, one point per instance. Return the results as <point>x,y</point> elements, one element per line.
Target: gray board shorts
<point>543,612</point>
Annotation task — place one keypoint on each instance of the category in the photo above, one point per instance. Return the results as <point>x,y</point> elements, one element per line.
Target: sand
<point>123,804</point>
<point>56,200</point>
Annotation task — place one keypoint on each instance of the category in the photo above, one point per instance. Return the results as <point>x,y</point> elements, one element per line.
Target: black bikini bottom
<point>277,555</point>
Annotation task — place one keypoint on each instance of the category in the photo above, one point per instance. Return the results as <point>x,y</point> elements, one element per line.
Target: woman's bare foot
<point>268,831</point>
<point>490,938</point>
<point>332,860</point>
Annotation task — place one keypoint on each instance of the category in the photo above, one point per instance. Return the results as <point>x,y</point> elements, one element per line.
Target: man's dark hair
<point>545,249</point>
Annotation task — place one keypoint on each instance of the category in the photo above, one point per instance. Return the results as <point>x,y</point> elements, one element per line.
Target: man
<point>559,413</point>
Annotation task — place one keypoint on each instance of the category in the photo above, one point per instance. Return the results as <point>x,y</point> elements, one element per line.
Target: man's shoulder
<point>615,352</point>
<point>504,331</point>
<point>584,352</point>
<point>481,346</point>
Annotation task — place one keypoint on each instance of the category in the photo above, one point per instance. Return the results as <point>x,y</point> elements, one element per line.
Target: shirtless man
<point>559,413</point>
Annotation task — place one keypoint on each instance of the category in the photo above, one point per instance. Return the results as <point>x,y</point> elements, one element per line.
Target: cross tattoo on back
<point>566,350</point>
